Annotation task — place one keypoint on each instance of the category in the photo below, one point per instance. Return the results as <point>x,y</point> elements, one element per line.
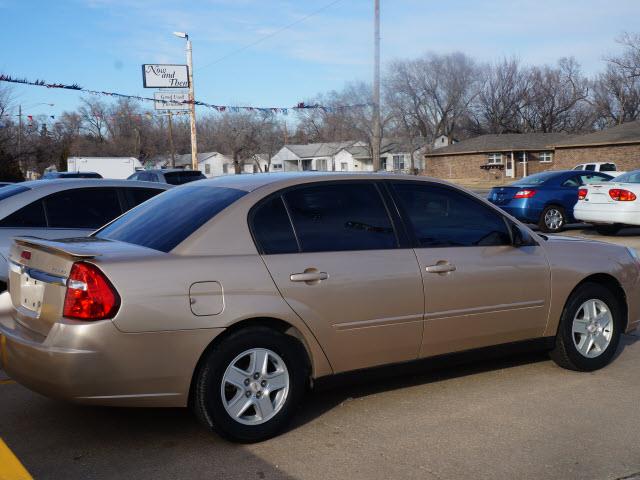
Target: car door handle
<point>441,268</point>
<point>309,276</point>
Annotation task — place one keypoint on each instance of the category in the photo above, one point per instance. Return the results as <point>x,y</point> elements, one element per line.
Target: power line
<point>272,34</point>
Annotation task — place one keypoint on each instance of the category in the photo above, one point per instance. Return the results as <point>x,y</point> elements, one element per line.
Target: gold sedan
<point>232,295</point>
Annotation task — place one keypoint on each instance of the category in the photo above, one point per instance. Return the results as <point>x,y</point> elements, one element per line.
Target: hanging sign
<point>165,76</point>
<point>171,101</point>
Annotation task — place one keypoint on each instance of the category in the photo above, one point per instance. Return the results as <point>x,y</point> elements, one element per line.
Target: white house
<point>312,156</point>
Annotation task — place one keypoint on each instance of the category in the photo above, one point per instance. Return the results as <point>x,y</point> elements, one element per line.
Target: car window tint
<point>572,182</point>
<point>586,179</point>
<point>339,217</point>
<point>179,178</point>
<point>135,196</point>
<point>442,217</point>
<point>82,207</point>
<point>147,177</point>
<point>31,215</point>
<point>608,167</point>
<point>272,229</point>
<point>590,167</point>
<point>166,220</point>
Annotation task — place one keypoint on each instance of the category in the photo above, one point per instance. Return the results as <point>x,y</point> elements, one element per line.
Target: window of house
<point>321,164</point>
<point>340,217</point>
<point>398,162</point>
<point>494,158</point>
<point>225,168</point>
<point>442,217</point>
<point>344,166</point>
<point>207,169</point>
<point>383,163</point>
<point>546,157</point>
<point>276,166</point>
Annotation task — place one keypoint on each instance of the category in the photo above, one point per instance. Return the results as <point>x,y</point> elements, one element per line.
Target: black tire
<point>544,222</point>
<point>565,352</point>
<point>207,402</point>
<point>608,229</point>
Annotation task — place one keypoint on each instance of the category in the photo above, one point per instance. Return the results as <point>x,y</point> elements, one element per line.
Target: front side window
<point>494,158</point>
<point>340,217</point>
<point>166,220</point>
<point>272,229</point>
<point>443,217</point>
<point>82,207</point>
<point>546,157</point>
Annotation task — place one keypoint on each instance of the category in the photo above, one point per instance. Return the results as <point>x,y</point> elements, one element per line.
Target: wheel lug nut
<point>247,393</point>
<point>256,375</point>
<point>263,383</point>
<point>247,381</point>
<point>258,394</point>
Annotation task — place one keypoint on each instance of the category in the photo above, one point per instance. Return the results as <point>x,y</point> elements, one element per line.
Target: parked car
<point>57,175</point>
<point>64,208</point>
<point>610,205</point>
<point>173,176</point>
<point>545,198</point>
<point>232,295</point>
<point>608,167</point>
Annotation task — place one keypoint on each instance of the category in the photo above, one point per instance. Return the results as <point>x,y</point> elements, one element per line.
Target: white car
<point>609,168</point>
<point>610,205</point>
<point>64,208</point>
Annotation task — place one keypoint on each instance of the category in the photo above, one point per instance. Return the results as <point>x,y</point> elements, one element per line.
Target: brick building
<point>496,158</point>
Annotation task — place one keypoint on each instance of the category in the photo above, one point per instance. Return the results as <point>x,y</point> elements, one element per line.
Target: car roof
<point>61,184</point>
<point>168,170</point>
<point>252,181</point>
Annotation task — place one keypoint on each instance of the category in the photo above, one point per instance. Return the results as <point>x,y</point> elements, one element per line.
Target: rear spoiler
<point>72,247</point>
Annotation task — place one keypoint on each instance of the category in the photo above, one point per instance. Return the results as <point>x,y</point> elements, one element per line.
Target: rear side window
<point>82,207</point>
<point>442,217</point>
<point>29,216</point>
<point>166,220</point>
<point>607,167</point>
<point>340,217</point>
<point>272,229</point>
<point>135,196</point>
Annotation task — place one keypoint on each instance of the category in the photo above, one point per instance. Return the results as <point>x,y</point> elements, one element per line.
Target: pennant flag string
<point>219,108</point>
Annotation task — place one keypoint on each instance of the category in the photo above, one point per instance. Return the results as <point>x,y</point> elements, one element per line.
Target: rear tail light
<point>582,193</point>
<point>622,195</point>
<point>90,295</point>
<point>524,194</point>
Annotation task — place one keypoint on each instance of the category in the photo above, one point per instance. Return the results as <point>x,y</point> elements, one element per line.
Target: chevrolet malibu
<point>233,295</point>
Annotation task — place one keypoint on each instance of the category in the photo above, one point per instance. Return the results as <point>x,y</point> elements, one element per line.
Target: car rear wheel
<point>608,229</point>
<point>553,219</point>
<point>249,385</point>
<point>589,330</point>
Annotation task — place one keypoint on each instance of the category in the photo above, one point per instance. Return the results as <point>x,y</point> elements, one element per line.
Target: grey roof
<point>327,149</point>
<point>625,133</point>
<point>502,142</point>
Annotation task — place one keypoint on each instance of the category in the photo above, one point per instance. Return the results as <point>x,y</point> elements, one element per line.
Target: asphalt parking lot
<point>520,417</point>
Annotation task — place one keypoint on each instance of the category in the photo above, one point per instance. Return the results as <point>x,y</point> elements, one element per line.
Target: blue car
<point>545,198</point>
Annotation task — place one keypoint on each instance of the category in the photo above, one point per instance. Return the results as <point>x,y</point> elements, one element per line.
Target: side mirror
<point>521,238</point>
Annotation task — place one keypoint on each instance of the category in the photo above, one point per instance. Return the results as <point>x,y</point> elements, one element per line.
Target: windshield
<point>11,190</point>
<point>166,220</point>
<point>536,179</point>
<point>629,177</point>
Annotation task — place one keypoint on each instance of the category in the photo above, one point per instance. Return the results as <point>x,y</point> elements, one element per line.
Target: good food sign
<point>171,101</point>
<point>165,76</point>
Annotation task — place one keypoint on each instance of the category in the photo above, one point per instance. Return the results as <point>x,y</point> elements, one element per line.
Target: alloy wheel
<point>553,219</point>
<point>592,328</point>
<point>255,386</point>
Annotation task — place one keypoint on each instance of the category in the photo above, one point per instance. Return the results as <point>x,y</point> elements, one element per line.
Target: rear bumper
<point>95,363</point>
<point>607,215</point>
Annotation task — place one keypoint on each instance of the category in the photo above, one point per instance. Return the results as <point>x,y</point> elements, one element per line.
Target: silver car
<point>64,208</point>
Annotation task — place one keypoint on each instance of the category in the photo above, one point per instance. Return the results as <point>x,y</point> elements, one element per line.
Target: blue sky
<point>100,44</point>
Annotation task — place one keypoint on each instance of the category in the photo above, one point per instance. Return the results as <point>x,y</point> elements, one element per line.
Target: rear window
<point>607,167</point>
<point>11,190</point>
<point>166,220</point>
<point>536,179</point>
<point>178,178</point>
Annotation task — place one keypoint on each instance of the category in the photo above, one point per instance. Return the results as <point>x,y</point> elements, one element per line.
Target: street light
<point>192,105</point>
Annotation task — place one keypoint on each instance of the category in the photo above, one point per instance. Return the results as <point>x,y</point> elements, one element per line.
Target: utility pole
<point>376,88</point>
<point>173,151</point>
<point>192,105</point>
<point>19,128</point>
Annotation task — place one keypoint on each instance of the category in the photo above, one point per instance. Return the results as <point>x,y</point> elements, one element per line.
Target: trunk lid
<point>503,195</point>
<point>38,271</point>
<point>598,193</point>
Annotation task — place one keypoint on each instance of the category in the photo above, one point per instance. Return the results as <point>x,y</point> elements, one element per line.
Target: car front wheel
<point>248,386</point>
<point>553,219</point>
<point>589,330</point>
